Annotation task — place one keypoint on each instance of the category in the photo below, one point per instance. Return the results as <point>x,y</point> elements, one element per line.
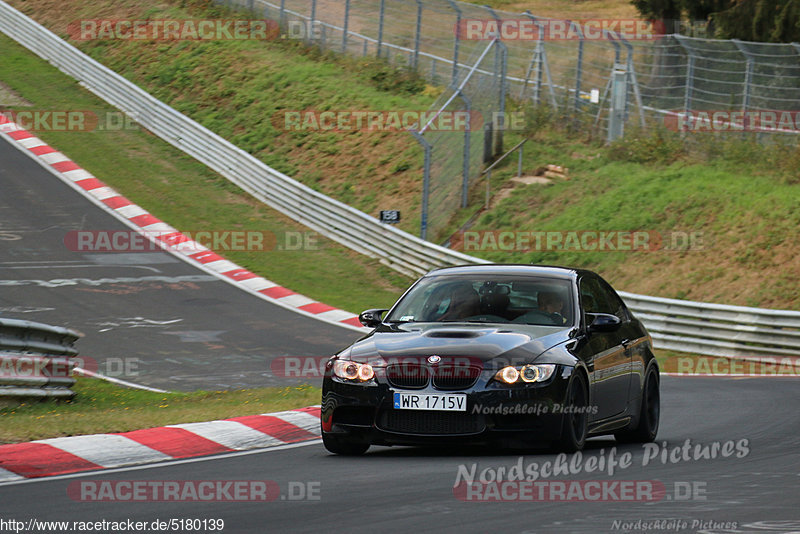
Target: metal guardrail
<point>35,359</point>
<point>698,327</point>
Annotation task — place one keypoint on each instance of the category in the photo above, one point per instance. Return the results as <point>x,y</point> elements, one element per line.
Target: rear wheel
<point>344,446</point>
<point>649,413</point>
<point>575,425</point>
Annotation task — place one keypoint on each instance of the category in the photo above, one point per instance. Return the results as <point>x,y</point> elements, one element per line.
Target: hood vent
<point>454,334</point>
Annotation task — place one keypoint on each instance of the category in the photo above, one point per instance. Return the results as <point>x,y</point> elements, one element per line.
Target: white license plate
<point>430,401</point>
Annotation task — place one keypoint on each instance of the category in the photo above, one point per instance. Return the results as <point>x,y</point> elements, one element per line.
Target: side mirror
<point>602,322</point>
<point>371,318</point>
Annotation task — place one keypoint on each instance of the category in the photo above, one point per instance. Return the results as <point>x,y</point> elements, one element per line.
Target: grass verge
<point>101,407</point>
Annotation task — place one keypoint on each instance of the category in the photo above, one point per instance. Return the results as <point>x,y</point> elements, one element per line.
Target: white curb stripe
<point>107,450</point>
<point>7,476</point>
<point>231,434</point>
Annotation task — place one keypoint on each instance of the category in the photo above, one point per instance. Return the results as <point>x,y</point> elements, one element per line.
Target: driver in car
<point>551,303</point>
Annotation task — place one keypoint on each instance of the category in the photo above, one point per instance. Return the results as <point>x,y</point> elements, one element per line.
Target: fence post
<point>381,13</point>
<point>457,31</point>
<point>748,74</point>
<point>426,184</point>
<point>689,86</point>
<point>313,22</point>
<point>282,15</point>
<point>417,34</point>
<point>344,26</point>
<point>634,83</point>
<point>535,60</point>
<point>465,162</point>
<point>578,69</point>
<point>619,100</point>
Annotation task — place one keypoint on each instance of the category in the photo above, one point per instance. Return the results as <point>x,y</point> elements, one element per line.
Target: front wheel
<point>344,446</point>
<point>649,414</point>
<point>575,425</point>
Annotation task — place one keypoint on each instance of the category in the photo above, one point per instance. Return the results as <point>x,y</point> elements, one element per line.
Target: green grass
<point>100,407</point>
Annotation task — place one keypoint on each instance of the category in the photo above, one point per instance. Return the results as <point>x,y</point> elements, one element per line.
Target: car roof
<point>550,271</point>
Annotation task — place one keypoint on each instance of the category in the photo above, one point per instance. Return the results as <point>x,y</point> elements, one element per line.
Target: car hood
<point>480,342</point>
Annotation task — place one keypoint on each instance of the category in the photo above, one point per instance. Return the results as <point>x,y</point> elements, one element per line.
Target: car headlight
<point>349,370</point>
<point>527,373</point>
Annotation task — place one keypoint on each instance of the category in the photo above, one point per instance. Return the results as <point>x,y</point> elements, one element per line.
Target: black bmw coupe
<point>516,355</point>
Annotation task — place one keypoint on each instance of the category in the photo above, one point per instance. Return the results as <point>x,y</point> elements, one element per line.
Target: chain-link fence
<point>584,71</point>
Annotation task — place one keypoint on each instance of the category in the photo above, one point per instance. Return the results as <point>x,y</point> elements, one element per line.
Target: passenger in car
<point>464,302</point>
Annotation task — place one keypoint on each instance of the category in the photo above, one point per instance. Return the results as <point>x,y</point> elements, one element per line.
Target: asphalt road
<point>169,325</point>
<point>411,489</point>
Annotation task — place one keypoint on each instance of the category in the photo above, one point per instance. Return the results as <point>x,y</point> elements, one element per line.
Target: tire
<point>649,413</point>
<point>575,426</point>
<point>342,445</point>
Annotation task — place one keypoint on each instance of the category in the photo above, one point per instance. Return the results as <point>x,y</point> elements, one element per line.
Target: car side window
<point>593,298</point>
<point>615,303</point>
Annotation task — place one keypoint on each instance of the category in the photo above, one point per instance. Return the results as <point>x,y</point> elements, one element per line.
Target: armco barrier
<point>675,324</point>
<point>35,359</point>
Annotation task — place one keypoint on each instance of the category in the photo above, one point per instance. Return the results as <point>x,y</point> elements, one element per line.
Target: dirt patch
<point>9,98</point>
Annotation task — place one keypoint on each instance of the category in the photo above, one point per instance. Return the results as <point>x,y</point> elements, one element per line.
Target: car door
<point>609,360</point>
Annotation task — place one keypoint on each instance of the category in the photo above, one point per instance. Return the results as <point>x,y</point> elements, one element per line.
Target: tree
<point>776,21</point>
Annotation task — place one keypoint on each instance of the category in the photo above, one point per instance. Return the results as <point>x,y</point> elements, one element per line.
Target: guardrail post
<point>344,25</point>
<point>381,14</point>
<point>417,34</point>
<point>426,184</point>
<point>456,40</point>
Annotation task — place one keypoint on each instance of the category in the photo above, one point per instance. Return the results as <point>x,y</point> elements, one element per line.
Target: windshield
<point>509,299</point>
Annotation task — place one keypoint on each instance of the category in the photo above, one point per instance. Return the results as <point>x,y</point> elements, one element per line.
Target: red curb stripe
<point>65,166</point>
<point>316,307</point>
<point>116,202</point>
<point>277,428</point>
<point>353,321</point>
<point>20,134</point>
<point>145,219</point>
<point>175,442</point>
<point>32,460</point>
<point>240,274</point>
<point>277,292</point>
<point>42,149</point>
<point>90,183</point>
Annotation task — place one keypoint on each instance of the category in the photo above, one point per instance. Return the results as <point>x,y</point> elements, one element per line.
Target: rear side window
<point>598,297</point>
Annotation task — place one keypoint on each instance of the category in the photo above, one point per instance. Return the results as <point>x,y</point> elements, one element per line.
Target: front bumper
<point>522,415</point>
